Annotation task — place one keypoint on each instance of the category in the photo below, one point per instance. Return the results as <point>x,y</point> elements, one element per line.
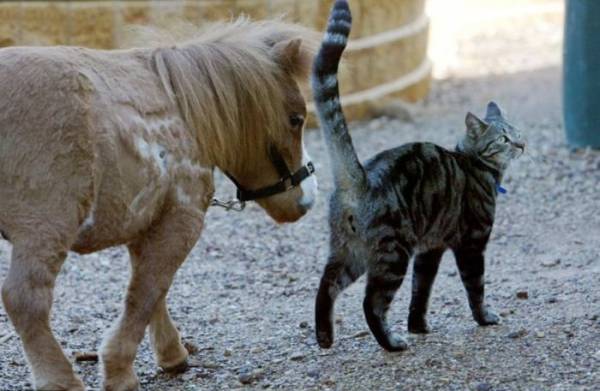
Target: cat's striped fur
<point>418,199</point>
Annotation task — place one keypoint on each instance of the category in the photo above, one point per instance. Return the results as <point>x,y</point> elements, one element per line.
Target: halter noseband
<point>287,181</point>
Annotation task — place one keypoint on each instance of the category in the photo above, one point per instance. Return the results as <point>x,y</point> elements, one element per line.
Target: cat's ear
<point>475,126</point>
<point>493,111</point>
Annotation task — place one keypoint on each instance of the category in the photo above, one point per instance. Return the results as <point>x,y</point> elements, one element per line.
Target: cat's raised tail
<point>348,173</point>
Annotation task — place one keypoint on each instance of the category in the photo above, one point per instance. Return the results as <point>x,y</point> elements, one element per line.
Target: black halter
<point>287,180</point>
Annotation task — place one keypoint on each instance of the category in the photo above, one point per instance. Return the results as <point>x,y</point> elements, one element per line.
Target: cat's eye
<point>296,120</point>
<point>505,139</point>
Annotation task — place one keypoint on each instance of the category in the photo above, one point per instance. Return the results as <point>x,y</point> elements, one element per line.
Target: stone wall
<point>387,56</point>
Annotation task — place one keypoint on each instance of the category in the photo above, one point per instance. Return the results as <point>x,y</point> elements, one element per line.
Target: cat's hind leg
<point>471,265</point>
<point>425,269</point>
<point>340,271</point>
<point>384,278</point>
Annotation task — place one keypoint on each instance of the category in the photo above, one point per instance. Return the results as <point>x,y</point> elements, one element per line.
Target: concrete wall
<point>387,56</point>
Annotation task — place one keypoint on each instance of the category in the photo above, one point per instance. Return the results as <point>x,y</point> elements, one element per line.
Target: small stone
<point>297,356</point>
<point>551,263</point>
<point>483,387</point>
<point>245,378</point>
<point>258,374</point>
<point>303,324</point>
<point>360,334</point>
<point>191,347</point>
<point>329,382</point>
<point>523,295</point>
<point>210,365</point>
<point>540,334</point>
<point>189,376</point>
<point>86,356</point>
<point>248,375</point>
<point>517,334</point>
<point>227,353</point>
<point>313,372</point>
<point>552,300</point>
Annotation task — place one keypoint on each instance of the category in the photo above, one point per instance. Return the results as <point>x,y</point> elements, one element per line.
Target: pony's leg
<point>339,273</point>
<point>155,258</point>
<point>384,278</point>
<point>166,341</point>
<point>27,295</point>
<point>471,265</point>
<point>424,271</point>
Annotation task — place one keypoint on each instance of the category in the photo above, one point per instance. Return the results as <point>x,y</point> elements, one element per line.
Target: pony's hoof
<point>182,366</point>
<point>122,383</point>
<point>68,384</point>
<point>71,385</point>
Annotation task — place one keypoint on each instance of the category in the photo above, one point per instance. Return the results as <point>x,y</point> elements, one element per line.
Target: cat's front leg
<point>471,265</point>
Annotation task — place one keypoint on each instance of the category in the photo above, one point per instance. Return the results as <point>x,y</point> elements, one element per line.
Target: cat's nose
<point>521,144</point>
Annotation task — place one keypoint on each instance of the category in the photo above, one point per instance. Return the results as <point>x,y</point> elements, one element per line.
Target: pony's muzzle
<point>309,193</point>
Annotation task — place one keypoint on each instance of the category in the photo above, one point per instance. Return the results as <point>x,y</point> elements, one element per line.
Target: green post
<point>581,73</point>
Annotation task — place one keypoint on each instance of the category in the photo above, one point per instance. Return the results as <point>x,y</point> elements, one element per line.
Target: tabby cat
<point>418,199</point>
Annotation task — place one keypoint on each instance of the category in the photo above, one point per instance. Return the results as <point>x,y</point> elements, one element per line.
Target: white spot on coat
<point>88,223</point>
<point>182,196</point>
<point>152,152</point>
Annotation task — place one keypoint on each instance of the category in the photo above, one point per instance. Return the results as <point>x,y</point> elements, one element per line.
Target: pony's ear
<point>289,56</point>
<point>475,126</point>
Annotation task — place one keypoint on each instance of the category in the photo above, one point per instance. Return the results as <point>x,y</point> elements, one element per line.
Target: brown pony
<point>105,148</point>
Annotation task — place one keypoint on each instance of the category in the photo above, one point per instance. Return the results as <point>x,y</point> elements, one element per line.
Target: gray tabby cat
<point>418,199</point>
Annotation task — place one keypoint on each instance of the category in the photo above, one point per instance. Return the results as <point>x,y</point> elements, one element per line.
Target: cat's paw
<point>487,318</point>
<point>325,338</point>
<point>418,325</point>
<point>396,343</point>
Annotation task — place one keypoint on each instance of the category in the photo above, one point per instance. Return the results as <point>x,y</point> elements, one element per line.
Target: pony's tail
<point>348,173</point>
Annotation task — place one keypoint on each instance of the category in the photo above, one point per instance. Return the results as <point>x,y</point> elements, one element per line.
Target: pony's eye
<point>296,120</point>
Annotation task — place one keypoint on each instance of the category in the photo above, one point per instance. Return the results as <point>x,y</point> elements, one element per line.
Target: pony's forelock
<point>231,89</point>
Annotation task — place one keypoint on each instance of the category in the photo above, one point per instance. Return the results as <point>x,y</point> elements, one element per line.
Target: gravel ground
<point>245,296</point>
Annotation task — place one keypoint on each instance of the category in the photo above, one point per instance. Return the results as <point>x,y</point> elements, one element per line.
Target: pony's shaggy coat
<point>103,148</point>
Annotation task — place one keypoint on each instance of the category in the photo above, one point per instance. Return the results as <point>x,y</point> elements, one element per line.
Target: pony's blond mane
<point>230,88</point>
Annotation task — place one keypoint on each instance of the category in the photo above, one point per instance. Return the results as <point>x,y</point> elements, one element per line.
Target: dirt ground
<point>245,295</point>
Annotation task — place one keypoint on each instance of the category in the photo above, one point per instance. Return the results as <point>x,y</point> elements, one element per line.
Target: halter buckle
<point>235,205</point>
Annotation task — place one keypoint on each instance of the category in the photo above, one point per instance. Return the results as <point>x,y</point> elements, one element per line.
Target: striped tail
<point>348,173</point>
